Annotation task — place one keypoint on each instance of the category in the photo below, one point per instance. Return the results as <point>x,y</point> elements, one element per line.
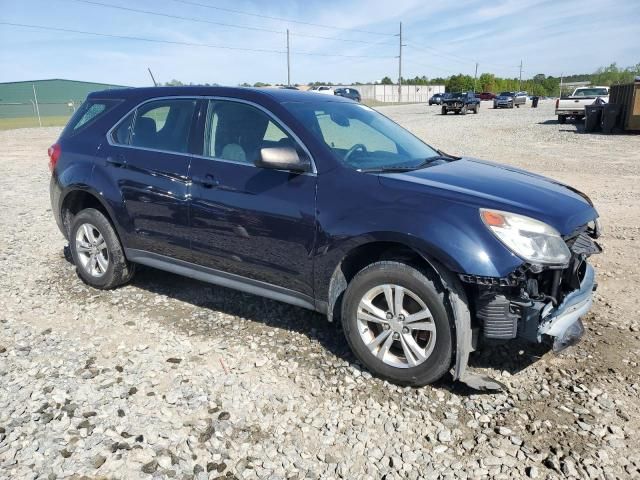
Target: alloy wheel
<point>92,250</point>
<point>396,326</point>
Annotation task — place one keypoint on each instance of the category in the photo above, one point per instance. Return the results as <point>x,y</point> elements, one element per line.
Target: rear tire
<point>97,252</point>
<point>562,119</point>
<point>384,337</point>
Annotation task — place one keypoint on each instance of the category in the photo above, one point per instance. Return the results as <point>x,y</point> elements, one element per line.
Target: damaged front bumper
<point>533,303</point>
<point>563,323</point>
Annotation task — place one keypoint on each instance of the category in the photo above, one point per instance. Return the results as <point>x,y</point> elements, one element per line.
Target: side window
<point>122,134</point>
<point>164,125</point>
<point>89,112</point>
<point>237,131</point>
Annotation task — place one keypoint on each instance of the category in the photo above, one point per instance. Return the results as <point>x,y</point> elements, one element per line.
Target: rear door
<point>148,156</point>
<point>254,222</point>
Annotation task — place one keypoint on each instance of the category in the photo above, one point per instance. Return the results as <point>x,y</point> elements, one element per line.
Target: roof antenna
<point>155,84</point>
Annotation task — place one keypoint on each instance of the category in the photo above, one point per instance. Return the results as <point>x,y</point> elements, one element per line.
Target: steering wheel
<point>354,149</point>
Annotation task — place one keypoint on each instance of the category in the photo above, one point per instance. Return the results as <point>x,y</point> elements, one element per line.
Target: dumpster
<point>610,115</point>
<point>534,101</point>
<point>592,117</point>
<point>628,96</point>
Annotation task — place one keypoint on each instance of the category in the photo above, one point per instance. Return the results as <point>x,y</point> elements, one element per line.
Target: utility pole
<point>560,96</point>
<point>35,97</point>
<point>155,84</point>
<point>288,61</point>
<point>475,77</point>
<point>520,79</point>
<point>400,67</point>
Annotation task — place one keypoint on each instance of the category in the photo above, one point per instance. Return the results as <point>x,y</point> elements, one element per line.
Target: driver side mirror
<point>282,158</point>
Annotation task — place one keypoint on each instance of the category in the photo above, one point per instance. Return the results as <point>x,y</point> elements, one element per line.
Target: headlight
<point>532,240</point>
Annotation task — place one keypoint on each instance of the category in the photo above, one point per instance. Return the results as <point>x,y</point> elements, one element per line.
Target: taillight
<point>557,102</point>
<point>54,154</point>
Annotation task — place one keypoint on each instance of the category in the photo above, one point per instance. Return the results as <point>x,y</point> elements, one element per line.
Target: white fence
<point>389,93</point>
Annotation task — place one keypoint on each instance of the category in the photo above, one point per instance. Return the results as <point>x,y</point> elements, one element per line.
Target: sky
<point>341,41</point>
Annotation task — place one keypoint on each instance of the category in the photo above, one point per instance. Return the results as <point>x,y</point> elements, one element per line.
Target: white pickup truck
<point>573,105</point>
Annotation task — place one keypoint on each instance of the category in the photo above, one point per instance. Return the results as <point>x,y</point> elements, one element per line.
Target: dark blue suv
<point>326,204</point>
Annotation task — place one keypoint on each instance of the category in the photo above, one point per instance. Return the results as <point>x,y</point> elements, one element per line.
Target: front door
<point>253,222</point>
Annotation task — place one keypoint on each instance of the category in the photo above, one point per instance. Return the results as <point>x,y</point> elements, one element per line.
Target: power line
<point>167,15</point>
<point>129,37</point>
<point>175,42</point>
<point>281,19</point>
<point>433,67</point>
<point>212,22</point>
<point>433,51</point>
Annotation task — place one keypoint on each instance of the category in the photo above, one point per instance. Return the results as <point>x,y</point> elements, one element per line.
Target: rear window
<point>88,113</point>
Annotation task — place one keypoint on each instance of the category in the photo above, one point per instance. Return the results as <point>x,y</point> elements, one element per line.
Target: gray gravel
<point>172,378</point>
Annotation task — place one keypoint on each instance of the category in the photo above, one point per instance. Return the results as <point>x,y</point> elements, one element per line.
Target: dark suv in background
<point>350,93</point>
<point>436,99</point>
<point>328,205</point>
<point>460,102</point>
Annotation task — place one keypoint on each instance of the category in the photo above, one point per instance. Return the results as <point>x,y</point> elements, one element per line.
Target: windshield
<point>591,92</point>
<point>506,94</point>
<point>458,95</point>
<point>361,138</point>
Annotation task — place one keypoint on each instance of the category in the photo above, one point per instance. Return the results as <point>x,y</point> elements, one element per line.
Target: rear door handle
<point>208,181</point>
<point>117,161</point>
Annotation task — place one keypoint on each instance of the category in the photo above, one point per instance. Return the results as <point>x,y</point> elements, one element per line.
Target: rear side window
<point>162,125</point>
<point>88,113</point>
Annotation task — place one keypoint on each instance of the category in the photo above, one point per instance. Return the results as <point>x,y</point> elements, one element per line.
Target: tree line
<point>540,84</point>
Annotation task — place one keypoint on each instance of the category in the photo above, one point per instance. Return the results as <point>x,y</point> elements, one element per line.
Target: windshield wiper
<point>400,169</point>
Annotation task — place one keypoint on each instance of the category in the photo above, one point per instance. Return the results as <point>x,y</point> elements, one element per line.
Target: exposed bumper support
<point>563,323</point>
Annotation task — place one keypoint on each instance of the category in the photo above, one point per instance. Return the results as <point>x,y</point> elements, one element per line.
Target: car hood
<point>491,185</point>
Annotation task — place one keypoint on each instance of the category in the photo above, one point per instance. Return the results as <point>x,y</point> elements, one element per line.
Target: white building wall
<point>389,93</point>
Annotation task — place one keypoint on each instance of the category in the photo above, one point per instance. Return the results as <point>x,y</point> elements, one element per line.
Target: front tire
<point>395,320</point>
<point>97,252</point>
<point>444,110</point>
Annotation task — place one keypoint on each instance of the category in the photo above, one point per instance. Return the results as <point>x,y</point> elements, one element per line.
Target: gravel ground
<point>169,377</point>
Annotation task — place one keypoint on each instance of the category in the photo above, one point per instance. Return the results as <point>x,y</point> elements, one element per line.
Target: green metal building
<point>48,98</point>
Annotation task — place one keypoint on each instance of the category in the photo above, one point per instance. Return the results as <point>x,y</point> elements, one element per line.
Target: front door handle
<point>208,181</point>
<point>117,161</point>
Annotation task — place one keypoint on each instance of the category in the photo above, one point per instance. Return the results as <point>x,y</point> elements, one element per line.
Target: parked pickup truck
<point>460,102</point>
<point>573,106</point>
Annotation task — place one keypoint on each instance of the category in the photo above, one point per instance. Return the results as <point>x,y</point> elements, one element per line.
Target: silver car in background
<point>510,99</point>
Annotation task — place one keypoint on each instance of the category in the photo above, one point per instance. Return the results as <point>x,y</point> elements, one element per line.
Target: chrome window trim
<point>279,123</point>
